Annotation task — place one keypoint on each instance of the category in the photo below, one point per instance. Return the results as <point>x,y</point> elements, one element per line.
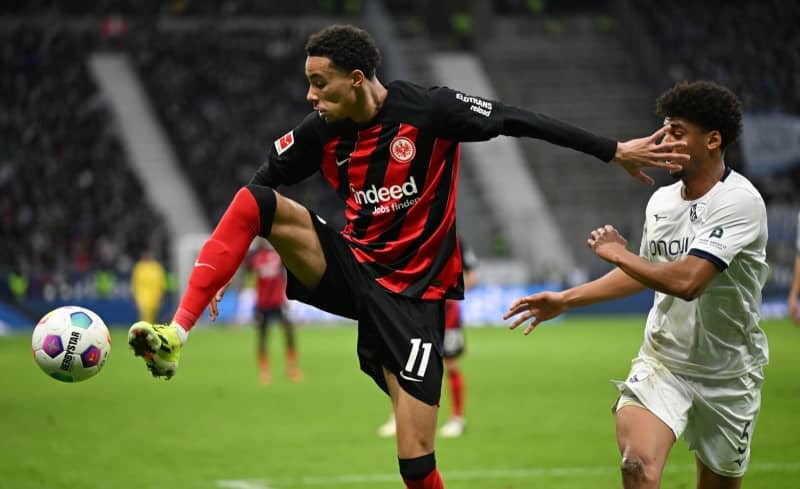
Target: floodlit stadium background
<point>128,125</point>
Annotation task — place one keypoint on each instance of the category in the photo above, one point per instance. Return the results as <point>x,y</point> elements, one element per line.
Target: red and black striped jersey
<point>398,174</point>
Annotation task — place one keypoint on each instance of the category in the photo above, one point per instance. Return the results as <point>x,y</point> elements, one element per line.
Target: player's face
<point>699,143</point>
<point>331,91</point>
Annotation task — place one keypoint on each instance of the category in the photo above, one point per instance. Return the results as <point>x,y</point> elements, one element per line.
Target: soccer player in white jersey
<point>699,370</point>
<point>793,293</point>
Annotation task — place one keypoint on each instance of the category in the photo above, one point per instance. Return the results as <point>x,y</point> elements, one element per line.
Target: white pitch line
<point>348,479</point>
<point>243,484</point>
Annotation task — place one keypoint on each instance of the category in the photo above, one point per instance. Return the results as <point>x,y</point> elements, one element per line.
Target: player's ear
<point>358,77</point>
<point>713,140</point>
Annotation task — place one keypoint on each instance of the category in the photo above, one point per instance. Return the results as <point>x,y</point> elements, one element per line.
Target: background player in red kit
<point>452,349</point>
<point>391,153</point>
<point>270,276</point>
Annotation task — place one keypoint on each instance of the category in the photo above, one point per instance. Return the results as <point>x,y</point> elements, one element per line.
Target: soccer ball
<point>71,343</point>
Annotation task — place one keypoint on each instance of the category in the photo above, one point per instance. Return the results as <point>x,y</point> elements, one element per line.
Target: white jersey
<point>716,335</point>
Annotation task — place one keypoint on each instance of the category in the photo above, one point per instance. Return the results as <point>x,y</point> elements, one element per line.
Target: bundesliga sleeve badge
<point>284,142</point>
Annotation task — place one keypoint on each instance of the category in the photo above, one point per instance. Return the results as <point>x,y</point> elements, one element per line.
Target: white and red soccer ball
<point>71,344</point>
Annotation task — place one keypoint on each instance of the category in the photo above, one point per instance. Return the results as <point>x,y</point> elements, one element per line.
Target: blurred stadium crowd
<point>71,205</point>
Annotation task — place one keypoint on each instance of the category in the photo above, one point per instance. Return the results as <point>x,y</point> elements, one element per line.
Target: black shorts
<point>265,316</point>
<point>395,332</point>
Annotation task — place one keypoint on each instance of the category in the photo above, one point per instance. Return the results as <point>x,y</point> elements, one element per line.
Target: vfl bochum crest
<point>696,211</point>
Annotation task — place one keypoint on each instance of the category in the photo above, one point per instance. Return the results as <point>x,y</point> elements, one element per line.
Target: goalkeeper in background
<point>148,284</point>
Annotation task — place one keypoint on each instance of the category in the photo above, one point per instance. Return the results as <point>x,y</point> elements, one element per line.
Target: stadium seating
<point>68,200</point>
<point>225,93</point>
<point>751,47</point>
<point>176,7</point>
<point>577,72</point>
<point>225,96</point>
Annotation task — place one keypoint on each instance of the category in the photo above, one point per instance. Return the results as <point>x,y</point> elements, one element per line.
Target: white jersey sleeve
<point>643,245</point>
<point>732,223</point>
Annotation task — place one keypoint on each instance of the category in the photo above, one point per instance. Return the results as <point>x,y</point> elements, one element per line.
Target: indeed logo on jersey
<point>380,195</point>
<point>480,106</point>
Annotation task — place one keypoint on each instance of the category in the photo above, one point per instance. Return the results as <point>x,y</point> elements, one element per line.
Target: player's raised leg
<point>254,211</point>
<point>416,430</point>
<point>644,443</point>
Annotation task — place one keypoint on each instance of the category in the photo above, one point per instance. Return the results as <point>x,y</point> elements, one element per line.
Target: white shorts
<point>716,417</point>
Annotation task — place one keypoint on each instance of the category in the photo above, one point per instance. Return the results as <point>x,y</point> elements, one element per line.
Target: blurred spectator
<point>18,285</point>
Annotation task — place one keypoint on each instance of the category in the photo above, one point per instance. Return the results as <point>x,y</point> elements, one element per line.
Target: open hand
<point>606,242</point>
<point>537,308</point>
<point>649,151</point>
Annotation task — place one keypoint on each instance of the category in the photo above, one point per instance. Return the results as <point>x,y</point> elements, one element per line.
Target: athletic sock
<point>457,392</point>
<point>291,357</point>
<point>432,481</point>
<point>421,472</point>
<point>263,362</point>
<point>249,214</point>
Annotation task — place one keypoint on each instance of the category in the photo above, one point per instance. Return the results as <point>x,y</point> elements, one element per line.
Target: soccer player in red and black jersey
<point>391,153</point>
<point>270,276</point>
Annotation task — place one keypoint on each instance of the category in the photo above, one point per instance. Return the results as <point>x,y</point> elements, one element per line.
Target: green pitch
<point>538,416</point>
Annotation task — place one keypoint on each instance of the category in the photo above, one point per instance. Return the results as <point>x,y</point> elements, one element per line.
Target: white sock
<point>182,333</point>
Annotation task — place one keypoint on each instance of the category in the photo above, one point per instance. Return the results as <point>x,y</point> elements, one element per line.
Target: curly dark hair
<point>705,103</point>
<point>348,47</point>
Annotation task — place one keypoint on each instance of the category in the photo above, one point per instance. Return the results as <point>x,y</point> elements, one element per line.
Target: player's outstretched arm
<point>467,118</point>
<point>649,151</point>
<point>685,278</point>
<point>536,308</point>
<point>547,305</point>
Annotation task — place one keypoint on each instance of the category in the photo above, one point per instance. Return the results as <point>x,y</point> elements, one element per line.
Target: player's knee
<point>417,468</point>
<point>267,203</point>
<point>413,443</point>
<point>632,467</point>
<point>636,468</point>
